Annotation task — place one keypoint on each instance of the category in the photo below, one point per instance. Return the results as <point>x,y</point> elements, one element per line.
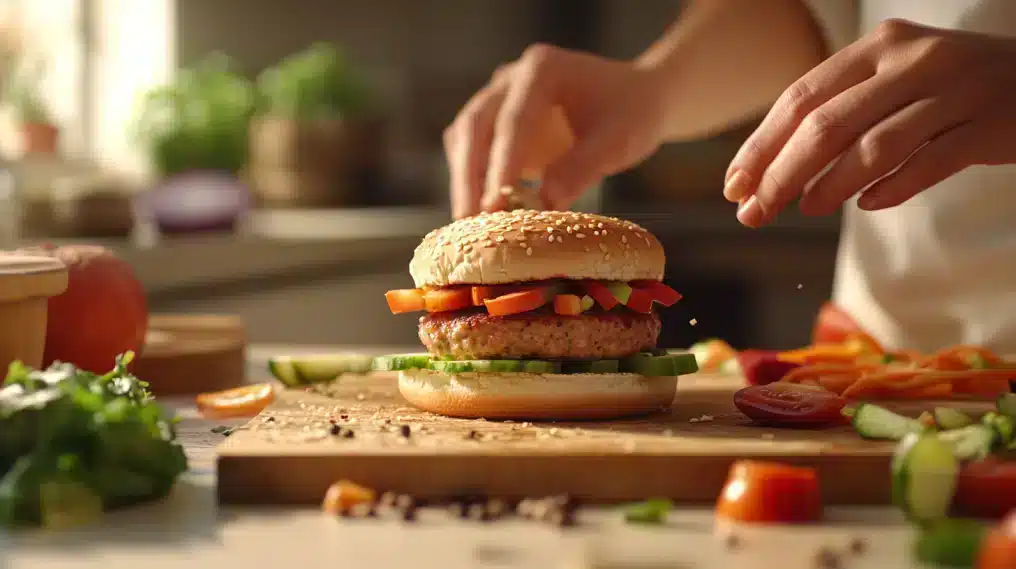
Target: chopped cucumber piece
<point>950,543</point>
<point>401,362</point>
<point>972,442</point>
<point>494,366</point>
<point>282,369</point>
<point>537,366</point>
<point>649,512</point>
<point>924,471</point>
<point>587,303</point>
<point>1003,425</point>
<point>874,422</point>
<point>594,366</point>
<point>621,291</point>
<point>947,418</point>
<point>927,420</point>
<point>1006,405</point>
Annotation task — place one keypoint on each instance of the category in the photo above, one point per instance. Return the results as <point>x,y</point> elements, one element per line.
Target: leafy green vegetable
<point>318,83</point>
<point>200,121</point>
<point>73,443</point>
<point>649,512</point>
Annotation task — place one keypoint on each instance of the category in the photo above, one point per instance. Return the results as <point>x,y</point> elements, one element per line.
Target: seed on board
<point>732,541</point>
<point>388,499</point>
<point>335,430</point>
<point>495,508</point>
<point>404,431</point>
<point>826,558</point>
<point>348,434</point>
<point>858,546</point>
<point>477,512</point>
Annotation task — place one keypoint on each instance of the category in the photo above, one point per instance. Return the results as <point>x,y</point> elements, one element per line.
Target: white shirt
<point>941,268</point>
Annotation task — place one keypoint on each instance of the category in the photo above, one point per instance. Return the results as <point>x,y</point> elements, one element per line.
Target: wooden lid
<point>29,276</point>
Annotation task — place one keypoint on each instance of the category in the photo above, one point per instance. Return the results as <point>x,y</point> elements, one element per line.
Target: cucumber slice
<point>1006,404</point>
<point>874,422</point>
<point>326,367</point>
<point>950,543</point>
<point>924,471</point>
<point>282,369</point>
<point>594,366</point>
<point>493,366</point>
<point>669,365</point>
<point>973,442</point>
<point>401,362</point>
<point>947,418</point>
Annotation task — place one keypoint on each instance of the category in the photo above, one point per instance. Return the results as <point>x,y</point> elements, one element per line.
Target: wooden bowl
<point>186,354</point>
<point>26,284</point>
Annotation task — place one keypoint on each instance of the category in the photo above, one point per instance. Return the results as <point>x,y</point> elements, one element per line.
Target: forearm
<point>725,61</point>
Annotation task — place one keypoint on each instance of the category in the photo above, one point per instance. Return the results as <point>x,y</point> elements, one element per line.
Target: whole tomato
<point>103,312</point>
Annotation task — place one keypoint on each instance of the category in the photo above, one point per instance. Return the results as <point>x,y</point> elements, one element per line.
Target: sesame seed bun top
<point>529,245</point>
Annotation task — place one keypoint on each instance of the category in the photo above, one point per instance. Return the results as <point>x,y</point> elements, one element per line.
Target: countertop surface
<point>189,530</point>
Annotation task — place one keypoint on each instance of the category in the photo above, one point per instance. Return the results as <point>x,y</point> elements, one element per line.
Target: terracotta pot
<point>40,138</point>
<point>311,163</point>
<point>26,284</point>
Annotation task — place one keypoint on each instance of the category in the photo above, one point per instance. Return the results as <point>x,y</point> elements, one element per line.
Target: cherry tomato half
<point>762,367</point>
<point>790,404</point>
<point>770,492</point>
<point>986,488</point>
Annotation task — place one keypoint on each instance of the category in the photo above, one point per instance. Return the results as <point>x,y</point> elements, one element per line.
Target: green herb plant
<point>24,94</point>
<point>199,121</point>
<point>74,443</point>
<point>318,83</point>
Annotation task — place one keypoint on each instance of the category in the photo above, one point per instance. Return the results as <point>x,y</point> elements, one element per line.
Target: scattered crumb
<point>800,286</point>
<point>768,436</point>
<point>668,432</point>
<point>693,321</point>
<point>858,546</point>
<point>693,420</point>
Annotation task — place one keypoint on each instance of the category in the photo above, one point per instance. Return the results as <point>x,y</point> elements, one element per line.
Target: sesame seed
<point>600,225</point>
<point>597,233</point>
<point>606,257</point>
<point>604,231</point>
<point>560,239</point>
<point>551,238</point>
<point>529,251</point>
<point>550,230</point>
<point>624,239</point>
<point>603,247</point>
<point>500,238</point>
<point>580,235</point>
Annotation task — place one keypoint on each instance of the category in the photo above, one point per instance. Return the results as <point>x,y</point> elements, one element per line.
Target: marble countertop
<point>189,530</point>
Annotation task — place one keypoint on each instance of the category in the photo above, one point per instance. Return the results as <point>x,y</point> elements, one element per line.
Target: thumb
<point>591,159</point>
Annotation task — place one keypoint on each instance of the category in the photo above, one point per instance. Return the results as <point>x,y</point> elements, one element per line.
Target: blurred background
<point>281,160</point>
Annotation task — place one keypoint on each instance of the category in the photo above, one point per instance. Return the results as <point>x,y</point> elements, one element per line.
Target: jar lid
<point>30,276</point>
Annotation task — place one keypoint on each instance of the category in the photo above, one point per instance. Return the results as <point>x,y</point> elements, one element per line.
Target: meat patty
<point>478,335</point>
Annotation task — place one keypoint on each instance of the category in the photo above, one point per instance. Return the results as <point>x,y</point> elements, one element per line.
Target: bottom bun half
<point>536,396</point>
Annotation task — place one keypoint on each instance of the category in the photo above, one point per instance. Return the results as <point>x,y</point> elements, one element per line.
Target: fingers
<point>527,106</point>
<point>937,160</point>
<point>881,150</point>
<point>584,165</point>
<point>467,145</point>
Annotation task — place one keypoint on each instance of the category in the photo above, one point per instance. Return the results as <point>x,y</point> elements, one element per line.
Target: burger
<point>539,315</point>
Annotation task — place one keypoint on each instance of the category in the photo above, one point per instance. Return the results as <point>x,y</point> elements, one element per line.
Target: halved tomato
<point>405,300</point>
<point>601,294</point>
<point>567,305</point>
<point>998,549</point>
<point>986,488</point>
<point>770,492</point>
<point>448,299</point>
<point>658,291</point>
<point>518,302</point>
<point>790,404</point>
<point>640,301</point>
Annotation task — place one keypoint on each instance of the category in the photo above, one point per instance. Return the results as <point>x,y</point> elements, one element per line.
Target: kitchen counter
<point>189,530</point>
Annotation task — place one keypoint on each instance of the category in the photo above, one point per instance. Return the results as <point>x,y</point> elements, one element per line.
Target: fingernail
<point>750,213</point>
<point>870,200</point>
<point>737,187</point>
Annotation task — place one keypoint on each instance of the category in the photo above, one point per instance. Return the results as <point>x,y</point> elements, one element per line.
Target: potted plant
<point>316,133</point>
<point>40,134</point>
<point>200,121</point>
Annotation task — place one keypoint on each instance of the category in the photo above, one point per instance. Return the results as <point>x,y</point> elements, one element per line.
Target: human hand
<point>611,107</point>
<point>903,108</point>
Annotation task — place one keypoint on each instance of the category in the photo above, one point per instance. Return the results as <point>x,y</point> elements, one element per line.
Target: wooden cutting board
<point>288,455</point>
<point>186,354</point>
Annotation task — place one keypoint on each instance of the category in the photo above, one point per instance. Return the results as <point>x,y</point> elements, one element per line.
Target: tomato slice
<point>762,367</point>
<point>658,291</point>
<point>998,549</point>
<point>518,302</point>
<point>790,404</point>
<point>770,492</point>
<point>448,299</point>
<point>640,301</point>
<point>986,488</point>
<point>567,305</point>
<point>245,401</point>
<point>601,294</point>
<point>405,300</point>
